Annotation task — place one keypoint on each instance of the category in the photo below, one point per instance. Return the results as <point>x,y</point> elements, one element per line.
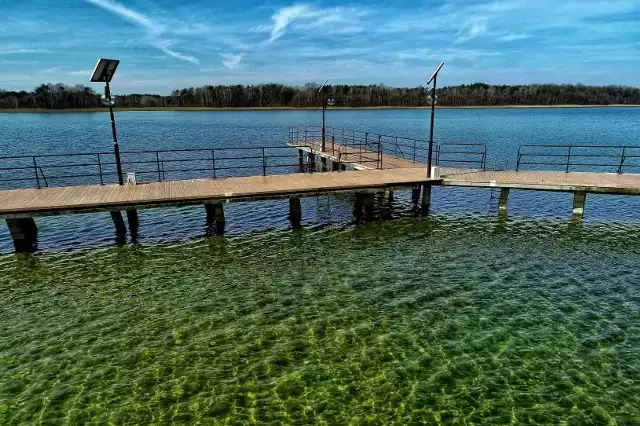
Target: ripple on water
<point>433,320</point>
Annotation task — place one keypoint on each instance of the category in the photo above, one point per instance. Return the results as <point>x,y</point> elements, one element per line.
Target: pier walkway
<point>359,163</point>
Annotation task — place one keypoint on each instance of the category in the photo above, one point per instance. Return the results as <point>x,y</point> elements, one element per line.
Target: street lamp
<point>326,101</point>
<point>103,73</point>
<point>432,98</point>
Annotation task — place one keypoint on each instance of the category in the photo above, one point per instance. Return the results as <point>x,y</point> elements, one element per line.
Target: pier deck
<point>78,199</point>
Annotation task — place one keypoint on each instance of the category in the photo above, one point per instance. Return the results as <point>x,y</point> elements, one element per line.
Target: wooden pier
<point>362,168</point>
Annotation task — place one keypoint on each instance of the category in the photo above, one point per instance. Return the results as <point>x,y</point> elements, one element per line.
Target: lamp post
<point>433,99</point>
<point>103,73</point>
<point>326,101</point>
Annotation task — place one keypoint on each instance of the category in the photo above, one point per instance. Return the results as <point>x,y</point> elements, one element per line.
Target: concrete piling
<point>24,234</point>
<point>426,199</point>
<point>579,198</point>
<point>504,199</point>
<point>134,222</point>
<point>216,220</point>
<point>295,212</point>
<point>323,162</point>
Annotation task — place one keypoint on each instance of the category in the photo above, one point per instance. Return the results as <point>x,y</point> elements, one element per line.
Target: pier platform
<point>347,162</point>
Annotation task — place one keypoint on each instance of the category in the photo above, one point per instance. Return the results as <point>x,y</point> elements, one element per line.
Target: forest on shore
<point>60,96</point>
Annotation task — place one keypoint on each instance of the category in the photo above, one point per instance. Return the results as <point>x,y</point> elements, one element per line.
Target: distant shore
<point>42,110</point>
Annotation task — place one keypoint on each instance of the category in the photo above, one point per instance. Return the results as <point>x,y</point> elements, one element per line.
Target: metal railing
<point>397,146</point>
<point>579,158</point>
<point>462,155</point>
<point>149,165</point>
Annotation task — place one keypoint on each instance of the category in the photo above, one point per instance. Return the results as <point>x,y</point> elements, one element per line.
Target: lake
<point>458,317</point>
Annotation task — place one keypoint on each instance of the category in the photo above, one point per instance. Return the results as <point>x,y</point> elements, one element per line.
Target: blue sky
<point>164,45</point>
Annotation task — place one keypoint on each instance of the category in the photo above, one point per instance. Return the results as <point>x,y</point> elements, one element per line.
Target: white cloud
<point>513,37</point>
<point>283,17</point>
<point>153,28</point>
<point>165,46</point>
<point>474,27</point>
<point>127,14</point>
<point>18,50</point>
<point>332,21</point>
<point>231,61</point>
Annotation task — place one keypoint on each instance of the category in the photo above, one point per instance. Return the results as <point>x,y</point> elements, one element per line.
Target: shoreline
<point>212,109</point>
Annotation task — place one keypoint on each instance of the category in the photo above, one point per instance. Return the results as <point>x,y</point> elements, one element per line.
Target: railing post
<point>158,166</point>
<point>518,160</point>
<point>380,151</point>
<point>333,145</point>
<point>264,163</point>
<point>568,159</point>
<point>414,151</point>
<point>35,168</point>
<point>213,162</point>
<point>622,160</point>
<point>100,170</point>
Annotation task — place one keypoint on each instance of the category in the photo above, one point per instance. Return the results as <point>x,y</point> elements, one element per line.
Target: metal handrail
<point>264,158</point>
<point>575,155</point>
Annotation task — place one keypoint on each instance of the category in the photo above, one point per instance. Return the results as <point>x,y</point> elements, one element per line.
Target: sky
<point>168,44</point>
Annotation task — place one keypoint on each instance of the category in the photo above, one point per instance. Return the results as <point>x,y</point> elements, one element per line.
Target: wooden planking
<point>611,183</point>
<point>359,158</point>
<point>87,198</point>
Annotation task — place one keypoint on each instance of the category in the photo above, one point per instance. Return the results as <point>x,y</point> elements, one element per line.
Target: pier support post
<point>323,161</point>
<point>343,167</point>
<point>388,195</point>
<point>426,199</point>
<point>415,194</point>
<point>579,198</point>
<point>335,166</point>
<point>311,161</point>
<point>121,229</point>
<point>215,217</point>
<point>24,234</point>
<point>301,160</point>
<point>357,206</point>
<point>134,222</point>
<point>368,205</point>
<point>504,199</point>
<point>295,212</point>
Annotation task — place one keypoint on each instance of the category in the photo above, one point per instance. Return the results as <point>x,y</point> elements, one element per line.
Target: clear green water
<point>464,320</point>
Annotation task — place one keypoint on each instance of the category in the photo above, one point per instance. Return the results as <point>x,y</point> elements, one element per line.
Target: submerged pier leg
<point>357,206</point>
<point>301,160</point>
<point>215,218</point>
<point>368,199</point>
<point>579,198</point>
<point>134,222</point>
<point>426,199</point>
<point>504,199</point>
<point>415,194</point>
<point>323,161</point>
<point>24,234</point>
<point>295,212</point>
<point>121,229</point>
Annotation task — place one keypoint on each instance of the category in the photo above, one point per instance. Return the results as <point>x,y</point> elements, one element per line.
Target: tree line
<point>60,96</point>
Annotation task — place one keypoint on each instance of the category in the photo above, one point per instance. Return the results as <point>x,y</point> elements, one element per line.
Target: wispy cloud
<point>474,27</point>
<point>165,46</point>
<point>127,14</point>
<point>231,61</point>
<point>333,21</point>
<point>153,29</point>
<point>283,17</point>
<point>514,37</point>
<point>19,50</point>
